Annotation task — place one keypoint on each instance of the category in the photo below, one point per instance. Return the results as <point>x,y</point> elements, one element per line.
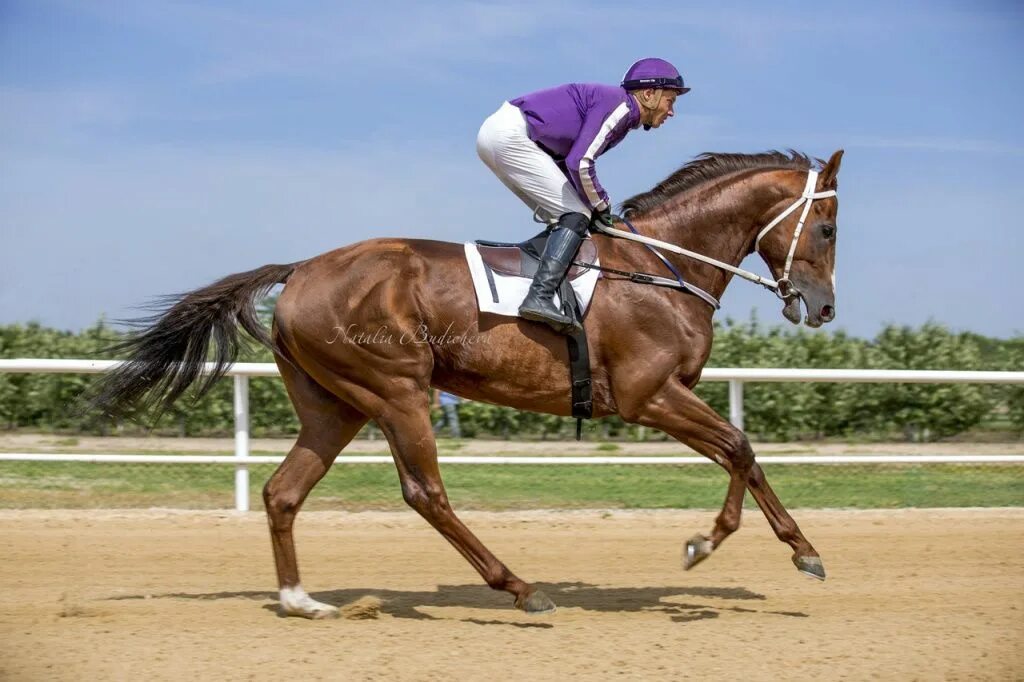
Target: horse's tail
<point>167,353</point>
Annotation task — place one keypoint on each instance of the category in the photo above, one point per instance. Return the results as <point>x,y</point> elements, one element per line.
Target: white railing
<point>735,376</point>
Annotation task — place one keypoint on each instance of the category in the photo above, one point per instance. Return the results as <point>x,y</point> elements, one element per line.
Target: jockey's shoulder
<point>603,91</point>
<point>587,98</point>
<point>596,97</point>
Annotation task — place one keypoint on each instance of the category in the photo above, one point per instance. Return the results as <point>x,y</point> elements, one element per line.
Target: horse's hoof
<point>536,603</point>
<point>810,565</point>
<point>698,548</point>
<point>295,602</point>
<point>318,612</point>
<point>324,612</point>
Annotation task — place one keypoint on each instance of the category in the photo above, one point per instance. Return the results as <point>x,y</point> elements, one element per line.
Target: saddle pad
<point>503,294</point>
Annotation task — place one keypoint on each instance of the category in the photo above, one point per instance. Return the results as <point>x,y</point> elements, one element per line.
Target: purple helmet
<point>652,72</point>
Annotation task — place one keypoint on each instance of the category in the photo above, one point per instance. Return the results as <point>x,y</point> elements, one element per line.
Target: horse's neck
<point>719,219</point>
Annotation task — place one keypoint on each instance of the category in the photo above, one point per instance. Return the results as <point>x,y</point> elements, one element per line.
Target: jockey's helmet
<point>652,72</point>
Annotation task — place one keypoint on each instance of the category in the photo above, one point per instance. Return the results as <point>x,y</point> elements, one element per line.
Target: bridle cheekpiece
<point>784,288</point>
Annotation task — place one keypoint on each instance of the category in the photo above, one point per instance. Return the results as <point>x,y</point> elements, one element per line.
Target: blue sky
<point>149,148</point>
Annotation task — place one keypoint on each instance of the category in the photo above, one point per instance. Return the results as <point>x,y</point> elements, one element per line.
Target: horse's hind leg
<point>406,424</point>
<point>327,426</point>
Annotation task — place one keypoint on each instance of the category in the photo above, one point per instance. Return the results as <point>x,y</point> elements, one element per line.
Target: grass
<point>375,486</point>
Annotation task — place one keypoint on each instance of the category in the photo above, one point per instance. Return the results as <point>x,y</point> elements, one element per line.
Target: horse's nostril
<point>828,313</point>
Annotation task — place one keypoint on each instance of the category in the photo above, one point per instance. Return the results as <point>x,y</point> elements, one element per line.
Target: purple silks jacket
<point>576,123</point>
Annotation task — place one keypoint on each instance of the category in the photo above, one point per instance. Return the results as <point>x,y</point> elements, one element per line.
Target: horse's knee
<point>738,450</point>
<point>428,500</point>
<point>413,493</point>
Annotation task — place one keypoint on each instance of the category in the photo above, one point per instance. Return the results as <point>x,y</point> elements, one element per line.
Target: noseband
<point>783,288</point>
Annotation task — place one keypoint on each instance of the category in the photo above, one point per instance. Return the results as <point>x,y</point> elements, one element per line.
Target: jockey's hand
<point>603,217</point>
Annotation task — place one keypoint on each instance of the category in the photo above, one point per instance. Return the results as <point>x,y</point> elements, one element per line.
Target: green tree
<point>929,411</point>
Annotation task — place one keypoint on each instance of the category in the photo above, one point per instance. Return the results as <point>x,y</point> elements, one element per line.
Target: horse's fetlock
<point>729,523</point>
<point>497,578</point>
<point>787,532</point>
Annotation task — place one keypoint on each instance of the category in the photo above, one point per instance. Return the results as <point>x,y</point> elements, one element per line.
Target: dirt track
<point>914,594</point>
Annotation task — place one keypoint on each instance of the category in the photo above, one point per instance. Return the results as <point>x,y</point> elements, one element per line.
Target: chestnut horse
<point>363,332</point>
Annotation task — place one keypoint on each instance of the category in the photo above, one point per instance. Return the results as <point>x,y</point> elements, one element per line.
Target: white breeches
<point>504,145</point>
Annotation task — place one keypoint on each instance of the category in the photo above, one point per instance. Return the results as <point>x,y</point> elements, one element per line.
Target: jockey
<point>542,146</point>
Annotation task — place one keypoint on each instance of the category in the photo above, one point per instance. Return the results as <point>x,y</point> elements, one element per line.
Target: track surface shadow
<point>676,602</point>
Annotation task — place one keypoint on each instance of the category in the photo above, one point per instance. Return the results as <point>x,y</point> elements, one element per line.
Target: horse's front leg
<point>805,557</point>
<point>675,410</point>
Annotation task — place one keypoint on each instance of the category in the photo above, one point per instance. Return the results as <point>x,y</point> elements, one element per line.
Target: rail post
<point>241,443</point>
<point>736,403</point>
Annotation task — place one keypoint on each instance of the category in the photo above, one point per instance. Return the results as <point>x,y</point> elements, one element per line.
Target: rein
<point>783,288</point>
<point>654,280</point>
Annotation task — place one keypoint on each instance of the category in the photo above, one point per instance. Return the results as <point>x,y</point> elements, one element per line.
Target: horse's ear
<point>830,173</point>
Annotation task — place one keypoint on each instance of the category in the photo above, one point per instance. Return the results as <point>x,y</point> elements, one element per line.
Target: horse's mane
<point>710,166</point>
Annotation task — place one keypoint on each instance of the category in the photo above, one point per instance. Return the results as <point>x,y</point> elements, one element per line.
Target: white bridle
<point>807,198</point>
<point>782,288</point>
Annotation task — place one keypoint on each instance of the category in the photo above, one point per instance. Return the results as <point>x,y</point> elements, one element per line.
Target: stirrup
<point>563,324</point>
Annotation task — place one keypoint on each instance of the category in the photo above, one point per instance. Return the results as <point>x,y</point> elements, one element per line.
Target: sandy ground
<point>160,595</point>
<point>28,442</point>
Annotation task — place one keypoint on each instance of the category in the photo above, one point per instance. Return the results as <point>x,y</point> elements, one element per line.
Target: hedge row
<point>773,410</point>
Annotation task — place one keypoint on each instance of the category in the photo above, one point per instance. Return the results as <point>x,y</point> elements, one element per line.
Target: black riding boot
<point>539,305</point>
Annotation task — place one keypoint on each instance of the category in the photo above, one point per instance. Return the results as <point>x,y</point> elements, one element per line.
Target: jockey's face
<point>656,106</point>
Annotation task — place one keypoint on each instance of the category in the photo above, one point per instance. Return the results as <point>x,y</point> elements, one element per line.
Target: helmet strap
<point>656,96</point>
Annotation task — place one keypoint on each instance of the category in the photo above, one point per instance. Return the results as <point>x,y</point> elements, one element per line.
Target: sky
<point>152,147</point>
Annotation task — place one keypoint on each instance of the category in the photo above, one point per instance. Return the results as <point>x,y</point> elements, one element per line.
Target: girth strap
<point>579,361</point>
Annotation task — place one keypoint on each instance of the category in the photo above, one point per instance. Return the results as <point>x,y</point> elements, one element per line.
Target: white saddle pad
<point>503,294</point>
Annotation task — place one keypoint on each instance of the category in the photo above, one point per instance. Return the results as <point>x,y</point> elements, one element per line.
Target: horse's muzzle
<point>818,312</point>
<point>818,301</point>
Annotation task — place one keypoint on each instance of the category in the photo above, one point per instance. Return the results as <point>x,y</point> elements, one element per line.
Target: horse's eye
<point>828,231</point>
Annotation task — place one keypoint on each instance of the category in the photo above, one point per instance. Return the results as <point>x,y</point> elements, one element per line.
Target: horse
<point>363,332</point>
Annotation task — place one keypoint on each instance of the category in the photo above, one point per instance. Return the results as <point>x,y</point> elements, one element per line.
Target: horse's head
<point>800,249</point>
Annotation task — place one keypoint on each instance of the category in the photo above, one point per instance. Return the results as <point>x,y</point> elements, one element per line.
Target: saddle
<point>520,259</point>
